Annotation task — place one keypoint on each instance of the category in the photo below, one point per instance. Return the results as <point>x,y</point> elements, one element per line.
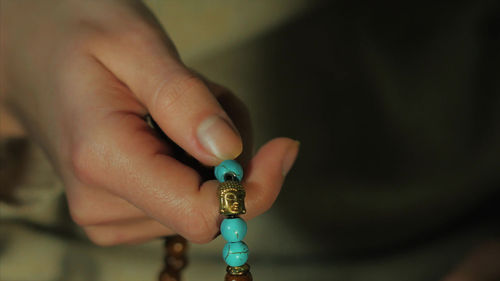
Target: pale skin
<point>79,77</point>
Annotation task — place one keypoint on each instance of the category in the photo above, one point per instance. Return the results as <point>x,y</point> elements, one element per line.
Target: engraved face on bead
<point>232,198</point>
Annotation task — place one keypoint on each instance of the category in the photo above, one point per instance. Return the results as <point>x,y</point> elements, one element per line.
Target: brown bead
<point>176,245</point>
<point>244,277</point>
<point>175,258</point>
<point>169,276</point>
<point>176,263</point>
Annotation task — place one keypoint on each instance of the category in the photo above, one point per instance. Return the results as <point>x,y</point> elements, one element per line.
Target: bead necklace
<point>232,204</point>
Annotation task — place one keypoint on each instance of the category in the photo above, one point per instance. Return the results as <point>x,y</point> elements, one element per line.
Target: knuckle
<point>82,163</point>
<point>187,82</point>
<point>170,93</point>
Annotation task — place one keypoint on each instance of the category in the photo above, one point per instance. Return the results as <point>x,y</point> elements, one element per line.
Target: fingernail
<point>219,138</point>
<point>290,157</point>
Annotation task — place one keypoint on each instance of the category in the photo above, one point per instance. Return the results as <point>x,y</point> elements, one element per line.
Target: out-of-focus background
<point>397,107</point>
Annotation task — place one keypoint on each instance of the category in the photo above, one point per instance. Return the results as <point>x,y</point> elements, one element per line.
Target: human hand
<point>81,75</point>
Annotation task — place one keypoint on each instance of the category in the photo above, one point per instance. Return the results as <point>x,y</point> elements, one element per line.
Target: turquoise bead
<point>235,253</point>
<point>228,166</point>
<point>233,230</point>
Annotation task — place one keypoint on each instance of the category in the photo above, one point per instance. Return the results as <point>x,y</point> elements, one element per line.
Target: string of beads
<point>232,204</point>
<point>175,258</point>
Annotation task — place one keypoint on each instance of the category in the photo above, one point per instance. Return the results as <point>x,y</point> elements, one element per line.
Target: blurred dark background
<point>397,107</point>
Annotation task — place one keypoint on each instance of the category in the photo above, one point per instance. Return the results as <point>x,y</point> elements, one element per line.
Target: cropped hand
<point>81,76</point>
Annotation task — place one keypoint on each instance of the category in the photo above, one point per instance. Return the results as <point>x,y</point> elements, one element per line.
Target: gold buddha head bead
<point>231,198</point>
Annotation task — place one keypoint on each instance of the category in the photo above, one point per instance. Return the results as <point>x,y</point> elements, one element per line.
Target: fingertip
<point>279,152</point>
<point>219,138</point>
<point>290,157</point>
<point>265,173</point>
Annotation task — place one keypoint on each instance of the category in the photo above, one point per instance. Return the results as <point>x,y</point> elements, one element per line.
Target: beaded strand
<point>175,258</point>
<point>232,204</point>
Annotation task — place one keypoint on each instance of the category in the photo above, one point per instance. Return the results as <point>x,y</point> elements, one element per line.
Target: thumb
<point>178,100</point>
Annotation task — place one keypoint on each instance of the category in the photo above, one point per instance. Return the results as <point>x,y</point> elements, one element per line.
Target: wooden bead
<point>175,263</point>
<point>175,258</point>
<point>244,277</point>
<point>169,276</point>
<point>176,245</point>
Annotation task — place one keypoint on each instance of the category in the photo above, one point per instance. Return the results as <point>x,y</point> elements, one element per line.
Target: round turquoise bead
<point>235,253</point>
<point>233,230</point>
<point>228,166</point>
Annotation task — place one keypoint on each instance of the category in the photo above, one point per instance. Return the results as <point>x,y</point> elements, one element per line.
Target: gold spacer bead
<point>238,270</point>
